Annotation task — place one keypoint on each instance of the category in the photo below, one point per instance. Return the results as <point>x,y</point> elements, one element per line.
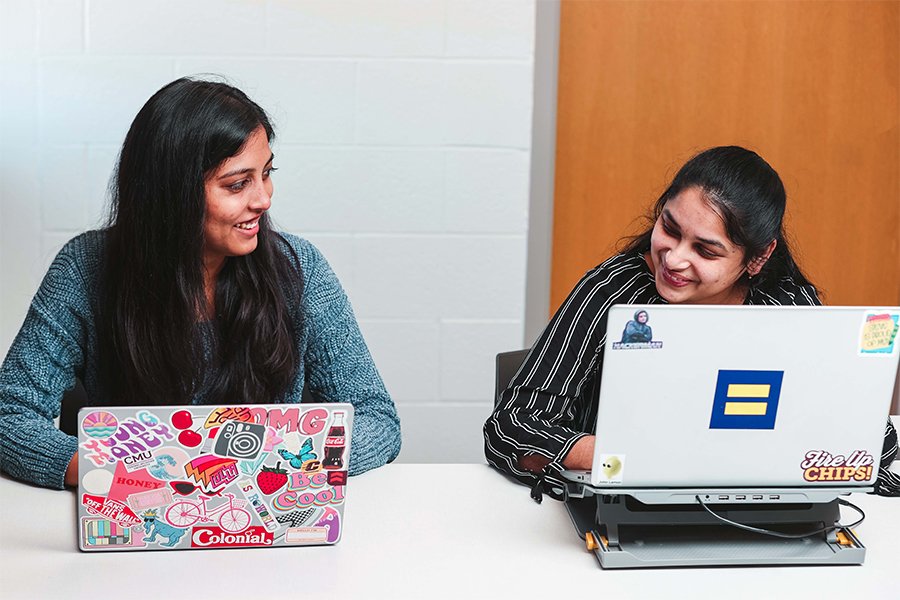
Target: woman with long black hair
<point>715,236</point>
<point>188,296</point>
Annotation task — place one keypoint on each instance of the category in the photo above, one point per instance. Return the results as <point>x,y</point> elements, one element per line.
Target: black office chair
<point>507,365</point>
<point>72,402</point>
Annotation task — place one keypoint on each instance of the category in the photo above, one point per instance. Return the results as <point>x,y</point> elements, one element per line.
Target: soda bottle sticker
<point>337,427</point>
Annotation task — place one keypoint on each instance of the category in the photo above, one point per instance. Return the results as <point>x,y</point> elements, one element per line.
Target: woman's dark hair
<point>749,197</point>
<point>155,340</point>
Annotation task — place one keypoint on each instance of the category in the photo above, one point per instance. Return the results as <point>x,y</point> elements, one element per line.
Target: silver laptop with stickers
<point>743,398</point>
<point>188,477</point>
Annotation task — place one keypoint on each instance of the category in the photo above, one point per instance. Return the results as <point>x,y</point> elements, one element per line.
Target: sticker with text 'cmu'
<point>878,333</point>
<point>746,400</point>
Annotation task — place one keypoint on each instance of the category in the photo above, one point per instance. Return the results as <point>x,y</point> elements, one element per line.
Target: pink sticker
<point>150,499</point>
<point>110,509</point>
<point>212,471</point>
<point>125,484</point>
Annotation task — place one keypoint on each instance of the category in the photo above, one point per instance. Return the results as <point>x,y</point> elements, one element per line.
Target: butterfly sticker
<point>306,453</point>
<point>272,440</point>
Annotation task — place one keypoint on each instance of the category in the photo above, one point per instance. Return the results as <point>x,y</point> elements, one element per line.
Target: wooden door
<point>811,86</point>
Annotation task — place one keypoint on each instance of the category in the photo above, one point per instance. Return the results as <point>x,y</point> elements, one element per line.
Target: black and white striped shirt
<point>550,402</point>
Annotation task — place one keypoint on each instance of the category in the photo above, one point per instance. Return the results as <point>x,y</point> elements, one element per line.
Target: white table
<point>413,531</point>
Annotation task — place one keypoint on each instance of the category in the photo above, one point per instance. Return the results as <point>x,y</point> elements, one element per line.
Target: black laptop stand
<point>624,532</point>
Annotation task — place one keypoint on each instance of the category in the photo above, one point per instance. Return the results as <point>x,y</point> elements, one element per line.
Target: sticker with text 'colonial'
<point>746,399</point>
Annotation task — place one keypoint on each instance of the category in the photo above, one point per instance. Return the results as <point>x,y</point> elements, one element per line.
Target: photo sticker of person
<point>637,331</point>
<point>637,334</point>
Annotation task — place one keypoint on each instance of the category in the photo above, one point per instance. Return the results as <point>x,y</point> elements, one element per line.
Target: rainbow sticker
<point>99,424</point>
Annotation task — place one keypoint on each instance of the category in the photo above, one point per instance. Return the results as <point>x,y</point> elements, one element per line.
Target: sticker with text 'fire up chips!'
<point>878,333</point>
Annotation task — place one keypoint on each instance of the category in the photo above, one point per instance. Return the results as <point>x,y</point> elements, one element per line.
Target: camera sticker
<point>240,440</point>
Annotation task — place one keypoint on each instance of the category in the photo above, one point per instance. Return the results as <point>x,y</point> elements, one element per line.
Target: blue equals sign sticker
<point>746,400</point>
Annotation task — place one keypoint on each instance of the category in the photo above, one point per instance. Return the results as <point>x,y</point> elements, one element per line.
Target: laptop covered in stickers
<point>189,477</point>
<point>741,399</point>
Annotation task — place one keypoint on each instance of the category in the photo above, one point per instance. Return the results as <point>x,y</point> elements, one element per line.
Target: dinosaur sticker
<point>157,527</point>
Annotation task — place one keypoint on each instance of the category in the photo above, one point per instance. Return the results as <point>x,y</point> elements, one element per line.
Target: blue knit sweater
<point>58,342</point>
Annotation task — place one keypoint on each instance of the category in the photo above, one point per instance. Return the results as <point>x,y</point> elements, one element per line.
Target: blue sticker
<point>746,400</point>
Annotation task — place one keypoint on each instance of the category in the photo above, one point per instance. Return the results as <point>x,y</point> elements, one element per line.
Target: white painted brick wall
<point>404,132</point>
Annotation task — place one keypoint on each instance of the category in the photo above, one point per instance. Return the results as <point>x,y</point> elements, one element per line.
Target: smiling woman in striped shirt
<point>717,237</point>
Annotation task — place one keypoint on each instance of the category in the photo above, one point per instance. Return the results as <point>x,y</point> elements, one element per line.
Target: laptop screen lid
<point>744,397</point>
<point>212,476</point>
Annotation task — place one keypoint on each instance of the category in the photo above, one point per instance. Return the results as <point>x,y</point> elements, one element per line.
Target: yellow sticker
<point>612,466</point>
<point>878,333</point>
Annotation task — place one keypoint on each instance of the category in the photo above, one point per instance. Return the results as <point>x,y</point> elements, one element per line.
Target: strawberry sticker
<point>271,479</point>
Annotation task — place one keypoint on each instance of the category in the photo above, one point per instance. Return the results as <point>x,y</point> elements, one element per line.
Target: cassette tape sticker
<point>102,533</point>
<point>878,333</point>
